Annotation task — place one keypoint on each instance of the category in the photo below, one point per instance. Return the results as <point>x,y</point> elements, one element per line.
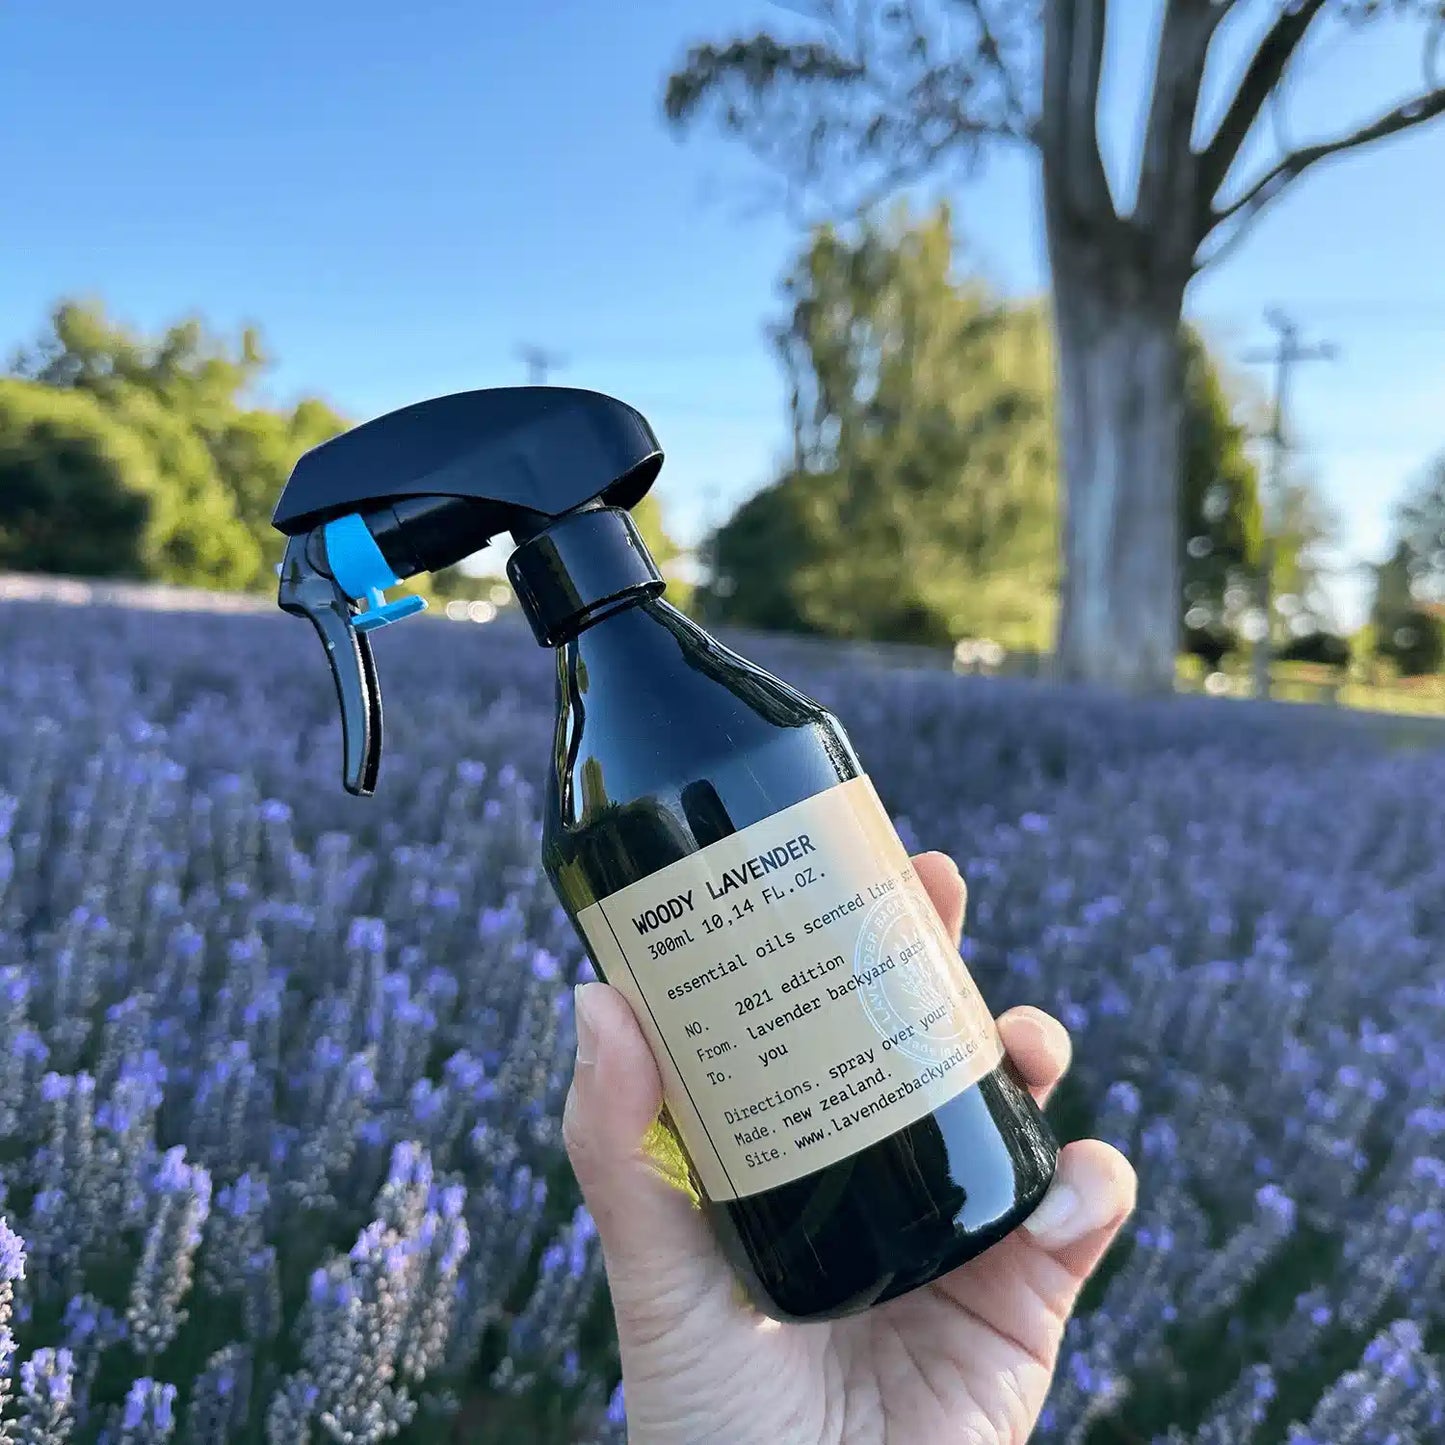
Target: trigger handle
<point>306,590</point>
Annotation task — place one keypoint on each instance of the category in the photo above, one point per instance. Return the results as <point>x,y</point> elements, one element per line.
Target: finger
<point>1080,1216</point>
<point>1026,1286</point>
<point>945,888</point>
<point>660,1255</point>
<point>1039,1046</point>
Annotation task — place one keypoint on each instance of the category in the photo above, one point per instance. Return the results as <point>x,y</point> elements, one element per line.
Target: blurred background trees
<point>1219,511</point>
<point>874,96</point>
<point>1072,473</point>
<point>151,457</point>
<point>1408,617</point>
<point>920,502</point>
<point>201,464</point>
<point>74,486</point>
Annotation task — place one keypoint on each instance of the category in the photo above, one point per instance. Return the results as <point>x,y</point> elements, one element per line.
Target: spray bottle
<point>851,1123</point>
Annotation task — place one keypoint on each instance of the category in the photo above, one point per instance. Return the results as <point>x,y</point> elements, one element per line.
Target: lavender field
<point>281,1072</point>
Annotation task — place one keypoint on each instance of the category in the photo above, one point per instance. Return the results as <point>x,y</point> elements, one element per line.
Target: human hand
<point>966,1360</point>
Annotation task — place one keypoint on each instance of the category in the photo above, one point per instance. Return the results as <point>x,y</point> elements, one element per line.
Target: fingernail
<point>1060,1219</point>
<point>583,1002</point>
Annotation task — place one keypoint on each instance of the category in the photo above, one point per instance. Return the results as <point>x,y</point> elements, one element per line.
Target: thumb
<point>661,1256</point>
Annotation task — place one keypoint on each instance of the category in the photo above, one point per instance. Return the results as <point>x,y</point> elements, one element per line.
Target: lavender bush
<point>281,1072</point>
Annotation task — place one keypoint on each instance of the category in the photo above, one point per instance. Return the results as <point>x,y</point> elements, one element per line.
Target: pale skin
<point>964,1361</point>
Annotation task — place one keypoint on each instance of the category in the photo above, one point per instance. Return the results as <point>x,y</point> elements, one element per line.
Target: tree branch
<point>1069,128</point>
<point>1274,183</point>
<point>1165,205</point>
<point>991,51</point>
<point>876,100</point>
<point>1264,73</point>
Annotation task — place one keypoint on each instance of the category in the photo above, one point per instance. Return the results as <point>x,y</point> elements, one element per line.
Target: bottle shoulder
<point>666,741</point>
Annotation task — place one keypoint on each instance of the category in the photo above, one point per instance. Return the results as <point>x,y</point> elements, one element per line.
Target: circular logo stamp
<point>915,996</point>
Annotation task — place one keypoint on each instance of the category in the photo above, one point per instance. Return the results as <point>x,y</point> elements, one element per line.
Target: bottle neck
<point>583,566</point>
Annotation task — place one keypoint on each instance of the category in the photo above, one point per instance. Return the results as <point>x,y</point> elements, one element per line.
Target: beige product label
<point>798,989</point>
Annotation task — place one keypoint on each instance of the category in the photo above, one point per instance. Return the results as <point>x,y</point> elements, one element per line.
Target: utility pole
<point>539,362</point>
<point>1287,350</point>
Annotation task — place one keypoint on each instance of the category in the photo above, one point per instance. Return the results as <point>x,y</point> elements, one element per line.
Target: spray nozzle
<point>361,571</point>
<point>421,488</point>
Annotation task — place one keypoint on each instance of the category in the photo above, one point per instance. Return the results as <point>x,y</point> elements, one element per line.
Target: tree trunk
<point>1120,408</point>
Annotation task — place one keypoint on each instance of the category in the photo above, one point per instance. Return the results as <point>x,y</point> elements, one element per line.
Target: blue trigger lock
<point>360,570</point>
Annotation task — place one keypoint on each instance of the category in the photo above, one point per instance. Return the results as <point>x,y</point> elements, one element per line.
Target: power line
<point>1371,305</point>
<point>1287,352</point>
<point>1370,318</point>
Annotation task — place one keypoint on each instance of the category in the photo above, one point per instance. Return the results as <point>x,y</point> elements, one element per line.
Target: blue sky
<point>400,196</point>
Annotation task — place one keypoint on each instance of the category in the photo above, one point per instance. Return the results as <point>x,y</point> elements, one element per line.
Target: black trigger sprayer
<point>421,488</point>
<point>835,1082</point>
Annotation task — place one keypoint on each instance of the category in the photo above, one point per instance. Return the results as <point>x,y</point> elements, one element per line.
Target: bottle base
<point>898,1216</point>
<point>969,1248</point>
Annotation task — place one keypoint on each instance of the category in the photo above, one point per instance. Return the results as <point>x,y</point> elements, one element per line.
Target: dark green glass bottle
<point>666,743</point>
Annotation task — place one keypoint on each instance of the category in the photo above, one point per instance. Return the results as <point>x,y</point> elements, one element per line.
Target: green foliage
<point>128,455</point>
<point>1415,642</point>
<point>1325,649</point>
<point>648,516</point>
<point>214,465</point>
<point>75,485</point>
<point>1220,521</point>
<point>196,537</point>
<point>1301,527</point>
<point>1409,632</point>
<point>920,504</point>
<point>1394,587</point>
<point>1420,526</point>
<point>254,451</point>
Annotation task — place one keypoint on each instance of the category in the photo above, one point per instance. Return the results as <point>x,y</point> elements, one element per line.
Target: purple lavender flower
<point>163,1276</point>
<point>12,1272</point>
<point>291,1414</point>
<point>440,1247</point>
<point>546,1328</point>
<point>46,1399</point>
<point>220,1398</point>
<point>148,1416</point>
<point>89,1329</point>
<point>12,1255</point>
<point>355,1316</point>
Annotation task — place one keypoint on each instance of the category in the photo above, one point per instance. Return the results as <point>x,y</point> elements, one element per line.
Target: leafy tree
<point>1326,649</point>
<point>871,95</point>
<point>1302,528</point>
<point>919,505</point>
<point>897,372</point>
<point>126,489</point>
<point>219,463</point>
<point>1408,632</point>
<point>1219,511</point>
<point>214,463</point>
<point>189,370</point>
<point>195,537</point>
<point>75,486</point>
<point>1420,525</point>
<point>1408,618</point>
<point>255,449</point>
